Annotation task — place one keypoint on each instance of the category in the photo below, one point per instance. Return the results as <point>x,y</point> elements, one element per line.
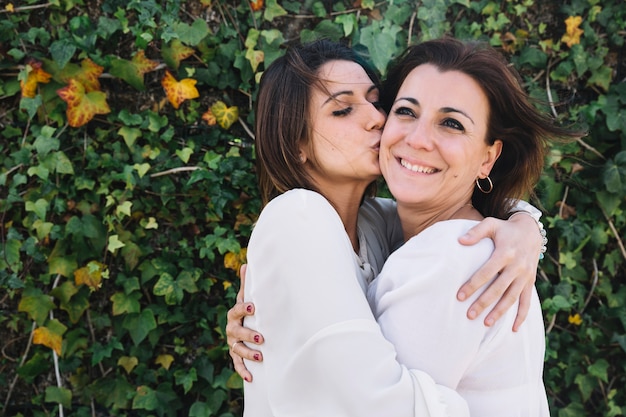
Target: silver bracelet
<point>542,232</point>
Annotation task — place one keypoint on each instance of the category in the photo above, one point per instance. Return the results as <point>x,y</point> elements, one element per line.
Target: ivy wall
<point>127,187</point>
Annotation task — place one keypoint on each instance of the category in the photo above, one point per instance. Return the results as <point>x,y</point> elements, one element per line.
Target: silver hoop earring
<point>481,188</point>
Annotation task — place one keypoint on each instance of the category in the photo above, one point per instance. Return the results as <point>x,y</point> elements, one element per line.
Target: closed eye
<point>342,112</point>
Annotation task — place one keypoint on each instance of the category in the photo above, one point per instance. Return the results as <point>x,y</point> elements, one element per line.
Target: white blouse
<point>497,371</point>
<point>324,353</point>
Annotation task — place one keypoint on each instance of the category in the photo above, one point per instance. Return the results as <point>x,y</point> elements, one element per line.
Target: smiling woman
<point>456,111</point>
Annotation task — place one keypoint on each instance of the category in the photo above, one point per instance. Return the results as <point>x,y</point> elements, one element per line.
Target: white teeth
<point>417,168</point>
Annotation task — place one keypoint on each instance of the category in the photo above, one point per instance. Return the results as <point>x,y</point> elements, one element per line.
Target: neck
<point>347,202</point>
<point>416,218</point>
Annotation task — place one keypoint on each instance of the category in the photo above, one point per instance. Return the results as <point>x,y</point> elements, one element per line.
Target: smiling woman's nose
<point>419,136</point>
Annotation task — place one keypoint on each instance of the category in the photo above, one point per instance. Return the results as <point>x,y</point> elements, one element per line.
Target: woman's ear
<point>492,155</point>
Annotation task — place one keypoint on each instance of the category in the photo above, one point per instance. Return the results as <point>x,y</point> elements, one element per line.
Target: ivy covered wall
<point>128,192</point>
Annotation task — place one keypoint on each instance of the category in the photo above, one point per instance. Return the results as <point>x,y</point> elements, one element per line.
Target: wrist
<point>542,231</point>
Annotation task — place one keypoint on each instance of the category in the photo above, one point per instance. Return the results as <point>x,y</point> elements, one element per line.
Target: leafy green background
<point>158,204</point>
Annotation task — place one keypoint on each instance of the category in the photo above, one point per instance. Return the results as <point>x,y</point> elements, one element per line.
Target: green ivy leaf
<point>273,10</point>
<point>145,398</point>
<point>601,77</point>
<point>168,288</point>
<point>599,369</point>
<point>192,34</point>
<point>130,135</point>
<point>139,325</point>
<point>186,378</point>
<point>381,44</point>
<point>39,207</point>
<point>614,174</point>
<point>125,303</point>
<point>37,306</point>
<point>59,395</point>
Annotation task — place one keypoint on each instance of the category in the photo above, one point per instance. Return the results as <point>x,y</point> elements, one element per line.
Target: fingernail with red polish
<point>256,338</point>
<point>249,309</point>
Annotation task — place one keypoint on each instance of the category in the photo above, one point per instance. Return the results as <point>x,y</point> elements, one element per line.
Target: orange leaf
<point>256,5</point>
<point>44,336</point>
<point>572,31</point>
<point>179,91</point>
<point>35,75</point>
<point>82,106</point>
<point>209,117</point>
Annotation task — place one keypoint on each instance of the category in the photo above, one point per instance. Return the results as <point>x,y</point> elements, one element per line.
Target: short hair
<point>283,114</point>
<point>513,118</point>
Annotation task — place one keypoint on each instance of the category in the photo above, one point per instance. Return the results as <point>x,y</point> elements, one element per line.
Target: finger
<point>241,369</point>
<point>494,265</point>
<point>524,307</point>
<point>242,276</point>
<point>484,229</point>
<point>240,349</point>
<point>239,311</point>
<point>492,294</point>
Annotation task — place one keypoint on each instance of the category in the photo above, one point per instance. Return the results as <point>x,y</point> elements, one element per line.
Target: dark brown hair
<point>523,129</point>
<point>282,113</point>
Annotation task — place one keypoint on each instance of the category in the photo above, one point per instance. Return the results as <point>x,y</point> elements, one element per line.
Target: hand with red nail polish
<point>239,337</point>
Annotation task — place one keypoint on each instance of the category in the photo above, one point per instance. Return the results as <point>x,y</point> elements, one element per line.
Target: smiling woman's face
<point>433,146</point>
<point>346,126</point>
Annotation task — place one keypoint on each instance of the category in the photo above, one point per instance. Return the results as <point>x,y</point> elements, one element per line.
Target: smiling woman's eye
<point>403,111</point>
<point>343,112</point>
<point>454,124</point>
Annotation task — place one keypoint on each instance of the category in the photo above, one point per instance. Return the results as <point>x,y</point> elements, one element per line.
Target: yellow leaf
<point>179,91</point>
<point>35,76</point>
<point>143,64</point>
<point>44,336</point>
<point>82,106</point>
<point>572,31</point>
<point>90,275</point>
<point>575,319</point>
<point>255,58</point>
<point>128,363</point>
<point>224,115</point>
<point>164,360</point>
<point>234,260</point>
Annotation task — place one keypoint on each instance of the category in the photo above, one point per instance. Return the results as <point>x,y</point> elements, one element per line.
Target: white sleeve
<point>521,205</point>
<point>324,354</point>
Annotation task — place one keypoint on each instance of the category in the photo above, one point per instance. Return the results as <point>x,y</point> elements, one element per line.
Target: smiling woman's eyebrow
<point>415,102</point>
<point>453,110</point>
<point>347,93</point>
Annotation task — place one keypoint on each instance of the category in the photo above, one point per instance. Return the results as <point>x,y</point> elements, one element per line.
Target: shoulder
<point>296,203</point>
<point>297,212</point>
<point>436,251</point>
